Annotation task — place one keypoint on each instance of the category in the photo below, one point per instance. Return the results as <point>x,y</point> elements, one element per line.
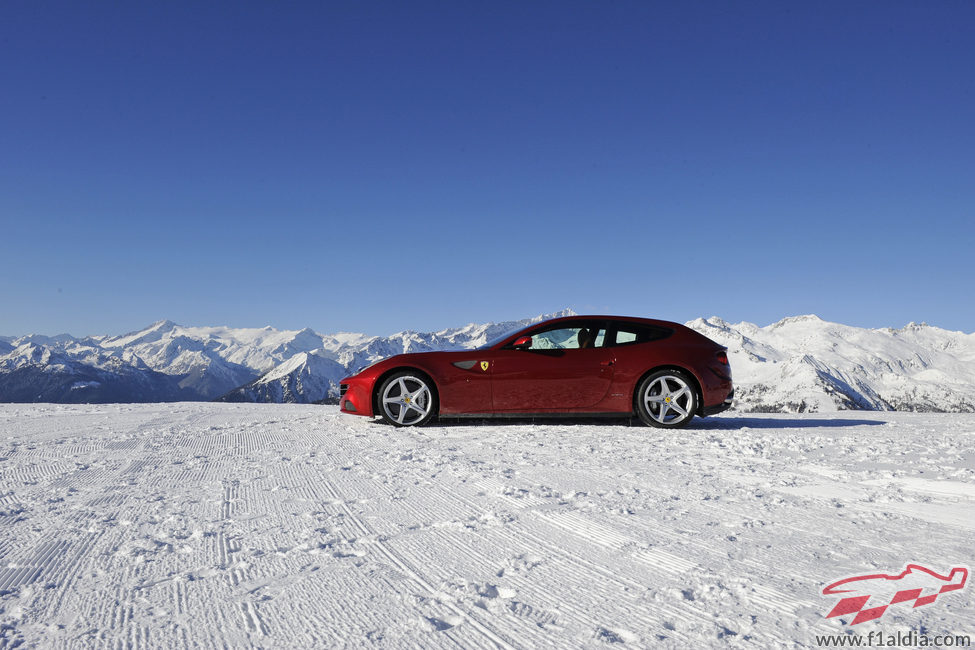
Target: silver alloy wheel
<point>668,399</point>
<point>407,400</point>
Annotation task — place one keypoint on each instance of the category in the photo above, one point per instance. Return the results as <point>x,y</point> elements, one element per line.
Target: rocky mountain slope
<point>804,363</point>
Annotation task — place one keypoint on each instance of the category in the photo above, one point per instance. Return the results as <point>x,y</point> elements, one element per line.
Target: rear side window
<point>623,337</point>
<point>630,333</point>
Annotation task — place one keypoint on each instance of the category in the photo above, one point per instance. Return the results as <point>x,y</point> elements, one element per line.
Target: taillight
<point>722,356</point>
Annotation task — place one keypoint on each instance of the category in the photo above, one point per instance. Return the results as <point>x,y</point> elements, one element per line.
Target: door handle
<point>606,363</point>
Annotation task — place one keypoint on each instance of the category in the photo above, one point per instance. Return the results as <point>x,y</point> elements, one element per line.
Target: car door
<point>553,373</point>
<point>464,382</point>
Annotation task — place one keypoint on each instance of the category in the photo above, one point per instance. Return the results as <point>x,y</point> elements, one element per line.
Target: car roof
<point>624,319</point>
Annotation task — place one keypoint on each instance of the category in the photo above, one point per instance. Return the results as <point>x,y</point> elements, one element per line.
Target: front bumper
<point>355,397</point>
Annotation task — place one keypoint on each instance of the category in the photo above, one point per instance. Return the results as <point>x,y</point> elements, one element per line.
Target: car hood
<point>417,358</point>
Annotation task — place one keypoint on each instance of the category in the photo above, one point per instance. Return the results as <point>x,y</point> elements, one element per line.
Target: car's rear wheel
<point>667,399</point>
<point>407,399</point>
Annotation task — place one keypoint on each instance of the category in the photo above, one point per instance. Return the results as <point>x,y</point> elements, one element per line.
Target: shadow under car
<point>723,423</point>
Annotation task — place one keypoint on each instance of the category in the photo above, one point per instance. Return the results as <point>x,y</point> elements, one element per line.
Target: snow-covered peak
<point>712,323</point>
<point>798,321</point>
<point>294,363</point>
<point>154,332</point>
<point>562,313</point>
<point>40,339</point>
<point>33,353</point>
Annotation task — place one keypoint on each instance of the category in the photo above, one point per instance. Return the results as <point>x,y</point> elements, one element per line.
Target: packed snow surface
<point>293,526</point>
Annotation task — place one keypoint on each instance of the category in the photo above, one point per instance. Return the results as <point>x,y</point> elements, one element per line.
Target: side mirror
<point>522,343</point>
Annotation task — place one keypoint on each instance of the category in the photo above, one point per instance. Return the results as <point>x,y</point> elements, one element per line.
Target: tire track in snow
<point>532,606</point>
<point>255,623</point>
<point>598,593</point>
<point>414,576</point>
<point>604,537</point>
<point>599,596</point>
<point>763,596</point>
<point>655,559</point>
<point>663,560</point>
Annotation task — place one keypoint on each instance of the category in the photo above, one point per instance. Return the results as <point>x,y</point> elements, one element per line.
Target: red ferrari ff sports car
<point>664,372</point>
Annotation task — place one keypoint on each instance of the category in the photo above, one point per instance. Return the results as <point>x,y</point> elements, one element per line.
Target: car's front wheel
<point>407,399</point>
<point>667,399</point>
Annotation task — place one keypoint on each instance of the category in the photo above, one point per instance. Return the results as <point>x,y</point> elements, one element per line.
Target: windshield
<point>498,339</point>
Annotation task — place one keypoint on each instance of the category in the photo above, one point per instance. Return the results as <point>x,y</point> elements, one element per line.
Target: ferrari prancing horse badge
<point>484,365</point>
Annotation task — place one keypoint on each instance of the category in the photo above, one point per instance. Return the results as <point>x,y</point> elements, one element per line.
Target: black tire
<point>407,399</point>
<point>666,399</point>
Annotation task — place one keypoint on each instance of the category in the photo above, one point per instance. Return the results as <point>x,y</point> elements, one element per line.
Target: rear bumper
<point>717,408</point>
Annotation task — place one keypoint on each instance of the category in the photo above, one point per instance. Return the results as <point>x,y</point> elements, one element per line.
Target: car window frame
<point>546,327</point>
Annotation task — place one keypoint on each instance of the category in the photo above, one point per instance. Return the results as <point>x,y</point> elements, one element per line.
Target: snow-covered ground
<point>287,526</point>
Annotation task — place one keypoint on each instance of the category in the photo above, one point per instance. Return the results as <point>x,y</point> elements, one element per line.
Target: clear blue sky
<point>379,166</point>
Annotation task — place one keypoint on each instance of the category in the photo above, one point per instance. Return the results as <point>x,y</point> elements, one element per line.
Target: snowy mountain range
<point>799,364</point>
<point>804,363</point>
<point>169,362</point>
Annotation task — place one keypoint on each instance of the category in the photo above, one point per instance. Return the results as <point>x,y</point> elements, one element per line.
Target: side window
<point>600,340</point>
<point>569,338</point>
<point>623,337</point>
<point>628,334</point>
